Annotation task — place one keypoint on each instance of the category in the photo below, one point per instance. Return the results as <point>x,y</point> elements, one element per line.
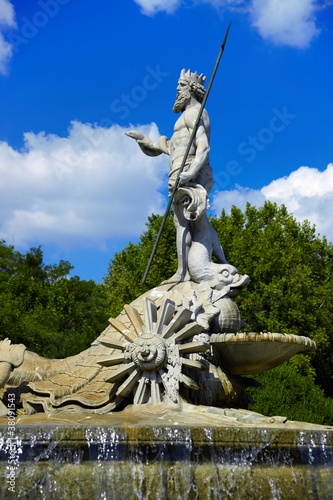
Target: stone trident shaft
<point>194,131</point>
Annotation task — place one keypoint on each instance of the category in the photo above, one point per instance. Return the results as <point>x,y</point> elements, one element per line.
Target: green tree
<point>8,261</point>
<point>291,272</point>
<point>291,280</point>
<point>51,314</point>
<point>123,281</point>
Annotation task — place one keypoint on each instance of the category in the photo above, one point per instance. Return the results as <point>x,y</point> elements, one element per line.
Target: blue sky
<point>74,75</point>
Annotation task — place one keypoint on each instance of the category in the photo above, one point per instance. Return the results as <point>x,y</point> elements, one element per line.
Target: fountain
<point>156,407</point>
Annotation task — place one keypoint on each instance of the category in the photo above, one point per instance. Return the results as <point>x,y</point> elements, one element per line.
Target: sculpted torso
<point>182,132</point>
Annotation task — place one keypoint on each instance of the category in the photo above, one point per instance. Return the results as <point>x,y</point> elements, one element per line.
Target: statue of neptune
<point>196,241</point>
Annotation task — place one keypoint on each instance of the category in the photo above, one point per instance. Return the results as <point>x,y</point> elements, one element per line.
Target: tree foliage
<point>291,280</point>
<point>51,314</point>
<point>286,392</point>
<point>291,272</point>
<point>123,281</point>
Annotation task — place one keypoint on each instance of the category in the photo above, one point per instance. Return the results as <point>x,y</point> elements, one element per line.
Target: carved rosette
<point>153,352</point>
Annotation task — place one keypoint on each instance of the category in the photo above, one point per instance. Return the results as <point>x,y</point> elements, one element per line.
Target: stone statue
<point>179,337</point>
<point>196,240</point>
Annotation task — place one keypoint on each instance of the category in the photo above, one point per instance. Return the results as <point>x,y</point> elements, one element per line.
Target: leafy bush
<point>286,393</point>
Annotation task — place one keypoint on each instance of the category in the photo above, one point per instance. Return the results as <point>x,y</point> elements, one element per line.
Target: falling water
<point>175,462</point>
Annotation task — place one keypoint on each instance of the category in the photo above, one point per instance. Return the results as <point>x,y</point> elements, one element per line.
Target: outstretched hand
<point>146,145</point>
<point>142,139</point>
<point>135,134</point>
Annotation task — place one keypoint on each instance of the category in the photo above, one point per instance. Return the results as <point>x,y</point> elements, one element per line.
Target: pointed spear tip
<point>226,36</point>
<point>185,156</point>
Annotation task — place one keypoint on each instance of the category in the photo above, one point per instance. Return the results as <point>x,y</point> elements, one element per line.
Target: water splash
<point>173,462</point>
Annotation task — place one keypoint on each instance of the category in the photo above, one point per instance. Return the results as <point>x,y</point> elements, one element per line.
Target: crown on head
<point>192,77</point>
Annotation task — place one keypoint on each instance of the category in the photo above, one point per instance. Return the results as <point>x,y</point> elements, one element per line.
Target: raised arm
<point>147,146</point>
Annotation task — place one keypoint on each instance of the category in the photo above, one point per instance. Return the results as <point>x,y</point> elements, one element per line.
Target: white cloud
<point>239,197</point>
<point>7,13</point>
<point>6,52</point>
<point>93,185</point>
<point>285,22</point>
<point>306,192</point>
<point>151,7</point>
<point>7,20</point>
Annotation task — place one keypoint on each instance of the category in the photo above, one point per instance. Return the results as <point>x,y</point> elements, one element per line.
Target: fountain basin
<point>252,353</point>
<point>203,453</point>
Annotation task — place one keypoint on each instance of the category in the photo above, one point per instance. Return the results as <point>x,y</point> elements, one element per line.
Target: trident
<point>194,131</point>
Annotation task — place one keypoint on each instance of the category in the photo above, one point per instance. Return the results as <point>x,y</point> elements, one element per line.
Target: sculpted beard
<point>181,100</point>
